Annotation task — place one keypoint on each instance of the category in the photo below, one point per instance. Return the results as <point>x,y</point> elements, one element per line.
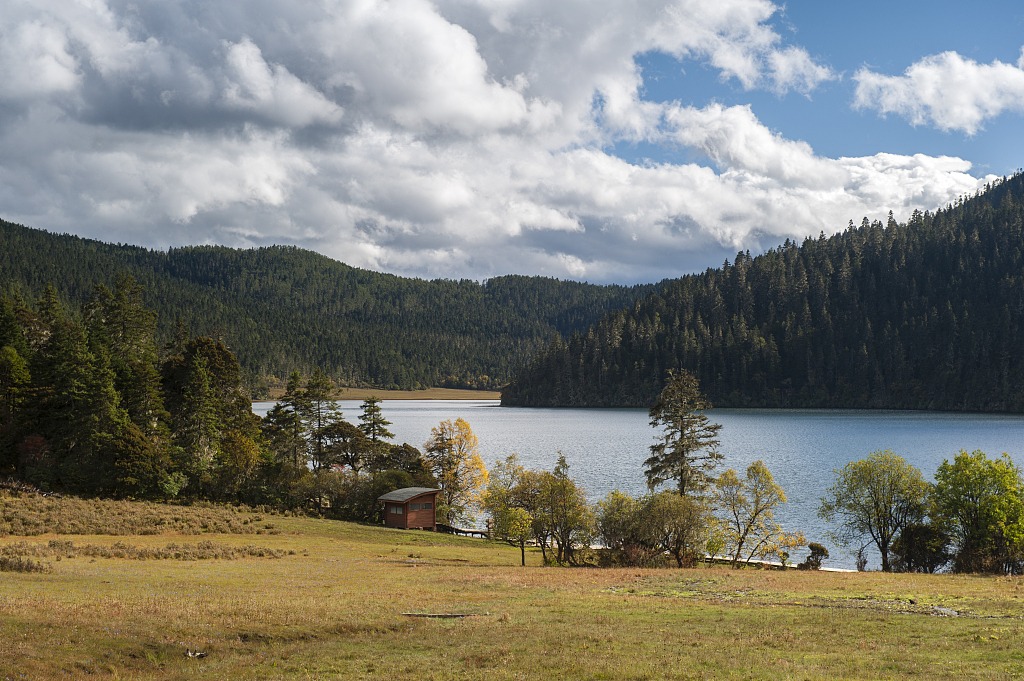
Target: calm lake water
<point>606,448</point>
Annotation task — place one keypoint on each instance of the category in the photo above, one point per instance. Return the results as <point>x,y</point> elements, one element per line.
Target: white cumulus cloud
<point>945,90</point>
<point>272,90</point>
<point>434,138</point>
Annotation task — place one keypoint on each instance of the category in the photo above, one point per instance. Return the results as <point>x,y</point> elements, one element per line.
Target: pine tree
<point>686,451</point>
<point>283,425</point>
<point>372,421</point>
<point>122,329</point>
<point>76,411</point>
<point>319,411</point>
<point>197,427</point>
<point>375,427</point>
<point>130,330</point>
<point>14,383</point>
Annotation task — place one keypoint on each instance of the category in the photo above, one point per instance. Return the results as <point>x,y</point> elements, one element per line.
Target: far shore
<point>426,394</point>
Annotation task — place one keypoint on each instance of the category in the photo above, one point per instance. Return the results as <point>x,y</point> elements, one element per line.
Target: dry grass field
<point>145,591</point>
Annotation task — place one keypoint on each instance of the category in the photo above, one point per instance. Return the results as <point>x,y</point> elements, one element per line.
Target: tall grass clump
<point>27,514</point>
<point>22,564</point>
<point>204,550</point>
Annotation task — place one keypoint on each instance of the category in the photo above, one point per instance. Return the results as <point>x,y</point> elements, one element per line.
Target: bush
<point>640,532</point>
<point>921,547</point>
<point>814,559</point>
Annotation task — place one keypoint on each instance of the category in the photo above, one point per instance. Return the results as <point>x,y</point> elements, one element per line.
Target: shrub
<point>814,559</point>
<point>22,564</point>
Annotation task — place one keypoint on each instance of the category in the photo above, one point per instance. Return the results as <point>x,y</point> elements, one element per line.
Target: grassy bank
<point>284,597</point>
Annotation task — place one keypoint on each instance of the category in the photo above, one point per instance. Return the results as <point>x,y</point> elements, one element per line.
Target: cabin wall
<point>423,518</point>
<point>392,519</point>
<point>413,514</point>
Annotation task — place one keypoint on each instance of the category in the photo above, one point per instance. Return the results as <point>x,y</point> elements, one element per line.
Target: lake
<point>606,448</point>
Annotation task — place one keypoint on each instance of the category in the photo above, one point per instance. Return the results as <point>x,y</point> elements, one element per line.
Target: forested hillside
<point>283,308</point>
<point>923,315</point>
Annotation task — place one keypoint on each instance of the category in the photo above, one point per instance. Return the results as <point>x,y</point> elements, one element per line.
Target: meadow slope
<point>128,591</point>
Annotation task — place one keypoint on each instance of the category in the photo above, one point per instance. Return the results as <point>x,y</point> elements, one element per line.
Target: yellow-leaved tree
<point>461,474</point>
<point>748,508</point>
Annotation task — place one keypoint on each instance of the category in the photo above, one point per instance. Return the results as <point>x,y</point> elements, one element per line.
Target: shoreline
<point>425,394</point>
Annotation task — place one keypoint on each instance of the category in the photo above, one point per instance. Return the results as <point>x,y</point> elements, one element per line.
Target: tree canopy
<point>981,501</point>
<point>748,506</point>
<point>454,458</point>
<point>876,498</point>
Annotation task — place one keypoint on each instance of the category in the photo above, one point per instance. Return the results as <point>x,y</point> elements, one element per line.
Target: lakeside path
<point>427,394</point>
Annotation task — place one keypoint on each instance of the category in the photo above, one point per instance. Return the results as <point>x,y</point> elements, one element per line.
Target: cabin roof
<point>407,493</point>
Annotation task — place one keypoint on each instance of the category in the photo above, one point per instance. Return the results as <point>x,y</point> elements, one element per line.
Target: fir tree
<point>686,451</point>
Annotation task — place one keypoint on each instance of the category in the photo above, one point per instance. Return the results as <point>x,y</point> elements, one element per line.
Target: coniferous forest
<point>923,315</point>
<point>282,308</point>
<point>90,404</point>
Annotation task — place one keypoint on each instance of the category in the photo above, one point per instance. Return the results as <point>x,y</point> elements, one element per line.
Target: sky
<point>597,140</point>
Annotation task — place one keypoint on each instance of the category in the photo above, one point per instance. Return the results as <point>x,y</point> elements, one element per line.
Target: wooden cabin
<point>411,508</point>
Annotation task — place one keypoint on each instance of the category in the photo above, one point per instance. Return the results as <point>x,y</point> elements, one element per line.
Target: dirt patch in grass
<point>872,593</point>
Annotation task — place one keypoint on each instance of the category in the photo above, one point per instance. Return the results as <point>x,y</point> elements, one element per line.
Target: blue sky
<point>584,139</point>
<point>884,36</point>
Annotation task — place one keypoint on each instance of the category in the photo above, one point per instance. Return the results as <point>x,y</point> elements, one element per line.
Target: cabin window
<point>414,507</point>
<point>397,510</point>
<point>427,506</point>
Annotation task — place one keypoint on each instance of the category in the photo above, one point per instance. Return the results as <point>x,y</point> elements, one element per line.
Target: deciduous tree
<point>682,526</point>
<point>515,526</point>
<point>748,508</point>
<point>563,511</point>
<point>454,459</point>
<point>621,527</point>
<point>921,547</point>
<point>345,445</point>
<point>875,497</point>
<point>641,530</point>
<point>981,501</point>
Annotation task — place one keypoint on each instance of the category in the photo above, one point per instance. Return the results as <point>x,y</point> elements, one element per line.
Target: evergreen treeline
<point>89,404</point>
<point>922,315</point>
<point>283,308</point>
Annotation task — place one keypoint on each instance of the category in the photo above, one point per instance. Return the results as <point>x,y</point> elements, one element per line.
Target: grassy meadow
<point>123,590</point>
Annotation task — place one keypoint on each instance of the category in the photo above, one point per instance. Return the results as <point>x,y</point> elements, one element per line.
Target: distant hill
<point>282,308</point>
<point>923,315</point>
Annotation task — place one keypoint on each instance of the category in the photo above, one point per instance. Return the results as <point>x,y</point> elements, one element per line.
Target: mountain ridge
<point>928,314</point>
<point>282,308</point>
